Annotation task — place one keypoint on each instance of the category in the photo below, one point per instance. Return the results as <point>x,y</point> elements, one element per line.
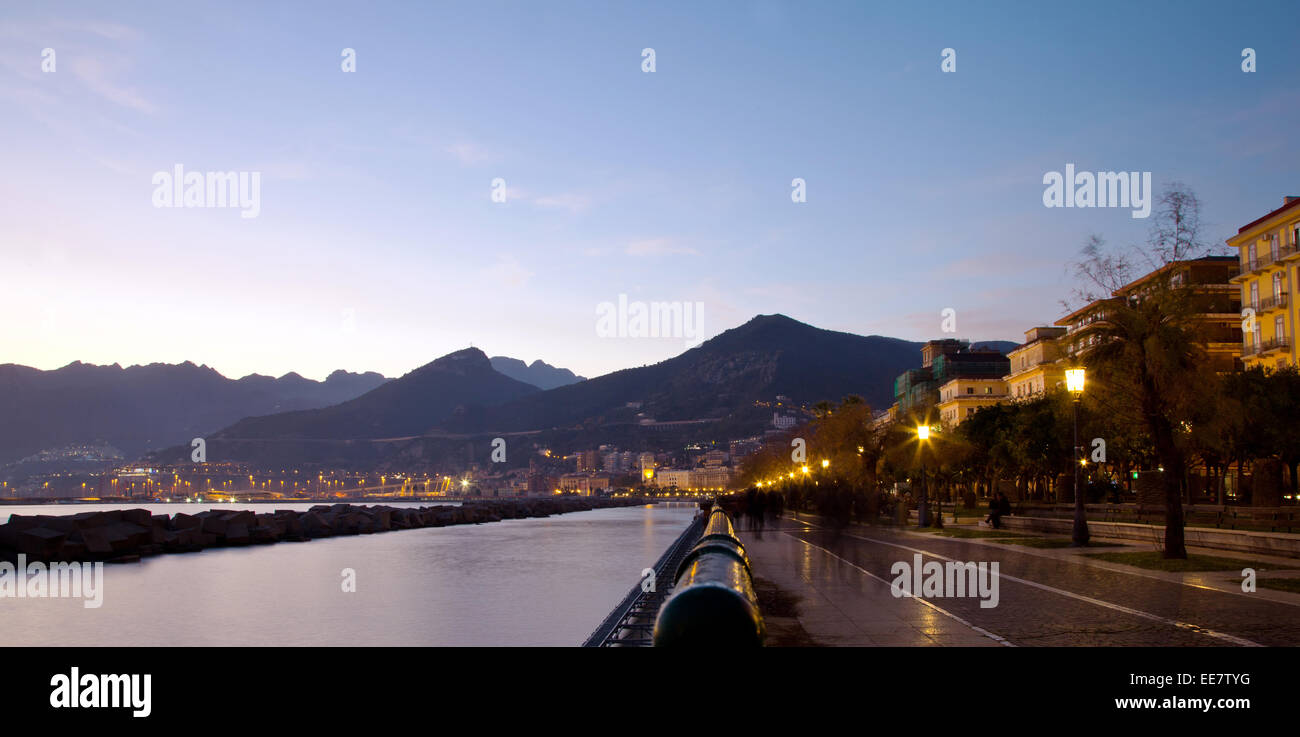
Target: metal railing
<point>1264,346</point>
<point>1272,302</point>
<point>630,623</point>
<point>1268,258</point>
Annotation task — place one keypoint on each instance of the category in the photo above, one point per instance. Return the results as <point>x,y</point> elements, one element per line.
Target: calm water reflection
<point>517,582</point>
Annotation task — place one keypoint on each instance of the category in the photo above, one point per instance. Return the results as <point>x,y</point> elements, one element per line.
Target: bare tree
<point>1176,229</point>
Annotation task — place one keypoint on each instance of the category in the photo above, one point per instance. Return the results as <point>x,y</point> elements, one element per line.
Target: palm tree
<point>1146,351</point>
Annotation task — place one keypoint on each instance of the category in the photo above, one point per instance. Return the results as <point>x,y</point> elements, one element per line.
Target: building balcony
<point>1266,346</point>
<point>1272,302</point>
<point>1267,258</point>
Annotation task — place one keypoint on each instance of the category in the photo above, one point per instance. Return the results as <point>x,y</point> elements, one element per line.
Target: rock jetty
<point>125,535</point>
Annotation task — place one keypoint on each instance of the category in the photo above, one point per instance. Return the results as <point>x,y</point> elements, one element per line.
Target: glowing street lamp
<point>825,463</point>
<point>923,505</point>
<point>1074,381</point>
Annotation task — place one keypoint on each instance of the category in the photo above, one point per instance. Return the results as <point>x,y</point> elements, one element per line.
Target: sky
<point>377,245</point>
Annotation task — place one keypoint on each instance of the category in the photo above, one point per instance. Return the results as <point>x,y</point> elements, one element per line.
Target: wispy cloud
<point>80,50</point>
<point>574,203</point>
<point>108,29</point>
<point>507,270</point>
<point>659,247</point>
<point>98,77</point>
<point>472,153</point>
<point>288,170</point>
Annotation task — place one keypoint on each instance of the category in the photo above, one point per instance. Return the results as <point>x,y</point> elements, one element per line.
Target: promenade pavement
<point>840,586</point>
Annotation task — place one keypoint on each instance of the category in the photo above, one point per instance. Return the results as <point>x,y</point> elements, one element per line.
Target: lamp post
<point>923,507</point>
<point>1074,379</point>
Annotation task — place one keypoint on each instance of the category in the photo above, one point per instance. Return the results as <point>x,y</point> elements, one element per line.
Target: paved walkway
<point>1047,596</point>
<point>843,605</point>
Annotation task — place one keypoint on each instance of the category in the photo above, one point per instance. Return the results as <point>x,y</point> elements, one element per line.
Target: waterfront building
<point>1218,319</point>
<point>1034,367</point>
<point>941,362</point>
<point>1268,251</point>
<point>961,397</point>
<point>711,477</point>
<point>585,484</point>
<point>647,464</point>
<point>674,477</point>
<point>587,460</point>
<point>884,418</point>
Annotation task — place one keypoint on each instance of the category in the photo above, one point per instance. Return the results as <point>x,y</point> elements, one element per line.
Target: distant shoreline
<point>127,535</point>
<point>340,500</point>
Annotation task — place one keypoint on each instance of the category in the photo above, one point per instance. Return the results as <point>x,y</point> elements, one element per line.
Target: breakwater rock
<point>125,535</point>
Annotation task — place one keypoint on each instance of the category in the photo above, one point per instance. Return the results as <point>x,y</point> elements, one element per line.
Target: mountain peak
<point>538,373</point>
<point>463,361</point>
<point>775,318</point>
<point>775,322</point>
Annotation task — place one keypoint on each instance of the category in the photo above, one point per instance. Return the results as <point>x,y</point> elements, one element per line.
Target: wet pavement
<point>1046,597</point>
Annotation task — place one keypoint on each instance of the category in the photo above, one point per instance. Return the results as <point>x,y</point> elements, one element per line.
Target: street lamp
<point>1074,380</point>
<point>923,505</point>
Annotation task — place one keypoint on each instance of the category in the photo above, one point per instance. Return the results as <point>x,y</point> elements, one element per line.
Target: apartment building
<point>585,484</point>
<point>941,362</point>
<point>1034,367</point>
<point>1216,298</point>
<point>1268,250</point>
<point>961,397</point>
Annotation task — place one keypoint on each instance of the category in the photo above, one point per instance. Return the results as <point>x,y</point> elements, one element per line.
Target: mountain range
<point>145,407</point>
<point>726,385</point>
<point>419,402</point>
<point>538,373</point>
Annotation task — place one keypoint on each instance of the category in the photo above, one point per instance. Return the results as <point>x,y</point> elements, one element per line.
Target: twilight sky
<point>378,246</point>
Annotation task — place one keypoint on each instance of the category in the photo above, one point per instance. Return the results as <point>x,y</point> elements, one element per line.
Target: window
<point>1279,329</point>
<point>1251,255</point>
<point>970,390</point>
<point>988,390</point>
<point>1277,286</point>
<point>1254,295</point>
<point>1272,246</point>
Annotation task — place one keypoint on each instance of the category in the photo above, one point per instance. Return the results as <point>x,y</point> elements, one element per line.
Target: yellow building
<point>585,484</point>
<point>1270,263</point>
<point>960,398</point>
<point>674,477</point>
<point>1034,367</point>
